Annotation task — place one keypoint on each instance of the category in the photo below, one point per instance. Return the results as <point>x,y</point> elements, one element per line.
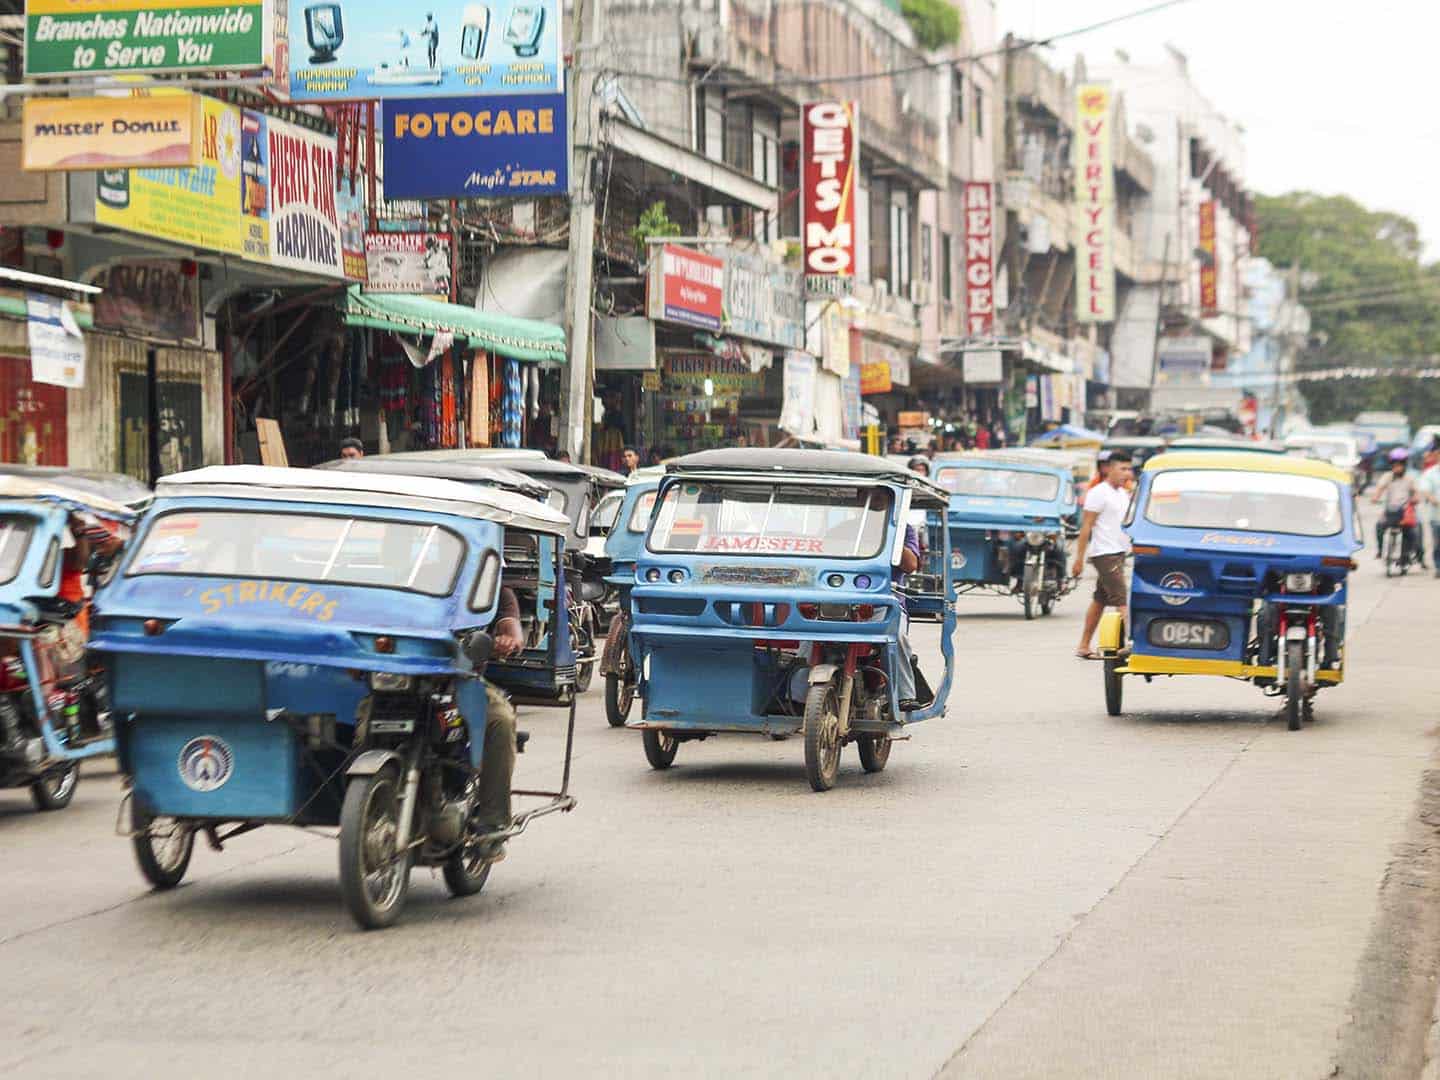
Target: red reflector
<point>385,644</point>
<point>1333,560</point>
<point>864,612</point>
<point>809,611</point>
<point>152,626</point>
<point>1144,549</point>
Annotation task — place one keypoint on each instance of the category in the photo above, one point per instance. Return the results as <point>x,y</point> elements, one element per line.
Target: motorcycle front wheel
<point>374,878</point>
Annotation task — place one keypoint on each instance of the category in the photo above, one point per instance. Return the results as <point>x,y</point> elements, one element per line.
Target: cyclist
<point>1399,490</point>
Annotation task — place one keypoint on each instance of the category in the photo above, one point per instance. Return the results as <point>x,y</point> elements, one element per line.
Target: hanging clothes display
<point>513,410</point>
<point>449,430</point>
<point>478,414</point>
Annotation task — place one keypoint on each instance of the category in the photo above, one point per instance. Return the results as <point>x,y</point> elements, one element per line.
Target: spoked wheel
<point>585,668</point>
<point>1393,565</point>
<point>874,751</point>
<point>1114,688</point>
<point>54,790</point>
<point>1048,595</point>
<point>822,737</point>
<point>1031,589</point>
<point>1294,688</point>
<point>619,693</point>
<point>660,748</point>
<point>374,879</point>
<point>1307,711</point>
<point>163,847</point>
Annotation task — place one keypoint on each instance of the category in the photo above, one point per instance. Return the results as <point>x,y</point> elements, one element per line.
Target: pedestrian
<point>563,455</point>
<point>1103,539</point>
<point>629,460</point>
<point>351,449</point>
<point>656,457</point>
<point>1430,504</point>
<point>982,438</point>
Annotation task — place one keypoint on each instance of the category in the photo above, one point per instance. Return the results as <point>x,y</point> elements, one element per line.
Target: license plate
<point>1206,634</point>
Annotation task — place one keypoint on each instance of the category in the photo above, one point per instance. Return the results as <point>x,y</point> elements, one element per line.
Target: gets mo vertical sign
<point>1095,205</point>
<point>830,149</point>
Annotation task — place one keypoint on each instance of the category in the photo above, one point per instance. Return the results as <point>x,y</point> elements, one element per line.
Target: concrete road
<point>1032,889</point>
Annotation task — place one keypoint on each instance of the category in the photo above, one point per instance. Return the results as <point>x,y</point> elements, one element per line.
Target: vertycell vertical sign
<point>1095,204</point>
<point>830,150</point>
<point>979,258</point>
<point>1209,267</point>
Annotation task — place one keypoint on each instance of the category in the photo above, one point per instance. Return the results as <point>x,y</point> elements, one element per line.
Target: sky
<point>1338,98</point>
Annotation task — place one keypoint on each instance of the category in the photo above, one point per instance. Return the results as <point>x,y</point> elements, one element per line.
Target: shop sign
<point>153,299</point>
<point>1032,391</point>
<point>853,406</point>
<point>686,287</point>
<point>1095,205</point>
<point>763,301</point>
<point>896,359</point>
<point>57,347</point>
<point>797,402</point>
<point>359,49</point>
<point>982,367</point>
<point>830,150</point>
<point>350,206</point>
<point>111,37</point>
<point>875,378</point>
<point>304,225</point>
<point>1209,267</point>
<point>197,207</point>
<point>726,376</point>
<point>912,419</point>
<point>476,147</point>
<point>835,341</point>
<point>111,133</point>
<point>1184,356</point>
<point>979,258</point>
<point>408,262</point>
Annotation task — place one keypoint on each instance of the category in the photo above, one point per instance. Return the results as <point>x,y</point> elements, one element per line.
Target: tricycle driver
<point>497,766</point>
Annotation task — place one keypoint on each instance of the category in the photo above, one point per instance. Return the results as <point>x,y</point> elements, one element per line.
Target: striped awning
<point>418,316</point>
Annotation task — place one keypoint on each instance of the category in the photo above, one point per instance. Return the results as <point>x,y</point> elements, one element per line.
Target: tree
<point>936,23</point>
<point>1372,300</point>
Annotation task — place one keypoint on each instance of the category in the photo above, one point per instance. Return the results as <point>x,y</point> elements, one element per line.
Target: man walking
<point>1103,537</point>
<point>1430,504</point>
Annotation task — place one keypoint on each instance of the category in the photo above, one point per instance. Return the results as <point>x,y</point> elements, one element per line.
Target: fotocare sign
<point>1209,268</point>
<point>110,37</point>
<point>830,151</point>
<point>687,287</point>
<point>979,259</point>
<point>1095,205</point>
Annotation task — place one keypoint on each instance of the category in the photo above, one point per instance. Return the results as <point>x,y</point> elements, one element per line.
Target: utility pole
<point>577,388</point>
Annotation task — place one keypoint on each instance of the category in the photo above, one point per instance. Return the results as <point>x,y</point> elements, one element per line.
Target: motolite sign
<point>1209,268</point>
<point>979,259</point>
<point>687,287</point>
<point>1095,203</point>
<point>830,149</point>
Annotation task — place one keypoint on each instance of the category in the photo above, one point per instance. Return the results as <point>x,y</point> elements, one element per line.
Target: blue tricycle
<point>625,529</point>
<point>1007,521</point>
<point>764,602</point>
<point>1242,562</point>
<point>304,647</point>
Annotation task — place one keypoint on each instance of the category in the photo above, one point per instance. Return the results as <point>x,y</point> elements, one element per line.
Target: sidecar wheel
<point>619,696</point>
<point>874,752</point>
<point>1114,688</point>
<point>374,880</point>
<point>55,790</point>
<point>660,747</point>
<point>163,847</point>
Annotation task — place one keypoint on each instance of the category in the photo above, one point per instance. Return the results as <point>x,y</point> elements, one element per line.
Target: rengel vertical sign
<point>1095,205</point>
<point>830,148</point>
<point>979,259</point>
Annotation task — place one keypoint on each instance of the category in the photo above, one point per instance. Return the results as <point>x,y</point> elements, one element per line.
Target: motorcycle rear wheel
<point>55,790</point>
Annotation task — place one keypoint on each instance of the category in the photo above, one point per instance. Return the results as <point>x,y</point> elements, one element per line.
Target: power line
<point>890,73</point>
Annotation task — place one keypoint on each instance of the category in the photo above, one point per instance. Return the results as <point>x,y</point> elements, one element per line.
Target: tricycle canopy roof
<point>1016,462</point>
<point>116,487</point>
<point>1244,461</point>
<point>467,472</point>
<point>377,490</point>
<point>837,464</point>
<point>1225,444</point>
<point>529,462</point>
<point>26,489</point>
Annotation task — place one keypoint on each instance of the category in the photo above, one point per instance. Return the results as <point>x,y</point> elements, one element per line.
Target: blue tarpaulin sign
<point>476,147</point>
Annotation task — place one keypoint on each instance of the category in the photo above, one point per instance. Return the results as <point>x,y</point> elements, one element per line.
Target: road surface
<point>1031,889</point>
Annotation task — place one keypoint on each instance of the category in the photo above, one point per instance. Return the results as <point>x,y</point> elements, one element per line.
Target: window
<point>999,483</point>
<point>927,248</point>
<point>880,231</point>
<point>737,135</point>
<point>15,536</point>
<point>979,113</point>
<point>957,87</point>
<point>772,519</point>
<point>1245,502</point>
<point>900,253</point>
<point>947,278</point>
<point>710,124</point>
<point>640,516</point>
<point>302,547</point>
<point>602,519</point>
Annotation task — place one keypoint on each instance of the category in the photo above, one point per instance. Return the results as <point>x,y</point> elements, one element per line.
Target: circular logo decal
<point>1176,580</point>
<point>957,560</point>
<point>206,763</point>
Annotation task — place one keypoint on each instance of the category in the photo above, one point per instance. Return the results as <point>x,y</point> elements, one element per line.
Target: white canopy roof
<point>384,490</point>
<point>22,487</point>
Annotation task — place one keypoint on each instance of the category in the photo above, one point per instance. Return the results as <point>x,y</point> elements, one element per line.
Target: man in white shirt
<point>1103,538</point>
<point>1430,505</point>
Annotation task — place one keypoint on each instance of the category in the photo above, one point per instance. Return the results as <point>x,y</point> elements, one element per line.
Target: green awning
<point>519,339</point>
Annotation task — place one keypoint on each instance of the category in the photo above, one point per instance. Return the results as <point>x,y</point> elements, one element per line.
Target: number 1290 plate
<point>1207,634</point>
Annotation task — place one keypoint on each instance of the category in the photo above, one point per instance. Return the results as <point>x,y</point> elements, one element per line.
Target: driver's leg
<point>1332,621</point>
<point>498,764</point>
<point>904,671</point>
